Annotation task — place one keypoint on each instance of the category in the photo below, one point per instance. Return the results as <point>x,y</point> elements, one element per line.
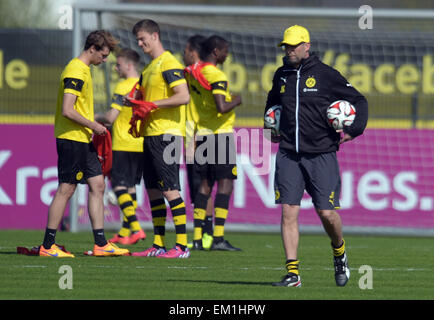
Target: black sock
<point>218,239</point>
<point>207,225</point>
<point>99,237</point>
<point>49,238</point>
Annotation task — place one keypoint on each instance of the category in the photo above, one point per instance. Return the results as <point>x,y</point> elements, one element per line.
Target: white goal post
<point>240,11</point>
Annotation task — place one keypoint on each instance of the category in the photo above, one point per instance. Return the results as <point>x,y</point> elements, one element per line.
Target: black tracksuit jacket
<point>305,94</point>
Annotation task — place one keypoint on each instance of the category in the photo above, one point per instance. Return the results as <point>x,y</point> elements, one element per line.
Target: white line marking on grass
<point>244,268</point>
<point>177,267</point>
<point>212,267</point>
<point>390,269</point>
<point>31,266</point>
<point>400,269</point>
<point>110,266</point>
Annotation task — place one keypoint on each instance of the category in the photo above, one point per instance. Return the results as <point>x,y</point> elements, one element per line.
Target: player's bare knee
<point>97,188</point>
<point>171,194</point>
<point>290,214</point>
<point>66,190</point>
<point>205,189</point>
<point>326,214</point>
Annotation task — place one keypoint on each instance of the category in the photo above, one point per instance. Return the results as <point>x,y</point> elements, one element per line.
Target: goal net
<point>391,64</point>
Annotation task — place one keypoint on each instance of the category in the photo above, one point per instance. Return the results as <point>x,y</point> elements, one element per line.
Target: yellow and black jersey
<point>191,114</point>
<point>121,139</point>
<point>209,119</point>
<point>77,80</point>
<point>157,81</point>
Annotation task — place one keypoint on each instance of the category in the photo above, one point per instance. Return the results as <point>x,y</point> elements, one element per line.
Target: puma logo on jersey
<point>332,198</point>
<point>177,73</point>
<point>73,83</point>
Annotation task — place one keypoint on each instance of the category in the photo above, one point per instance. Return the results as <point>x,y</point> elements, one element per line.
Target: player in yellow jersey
<point>191,59</point>
<point>127,166</point>
<point>215,153</point>
<point>77,159</point>
<point>162,82</point>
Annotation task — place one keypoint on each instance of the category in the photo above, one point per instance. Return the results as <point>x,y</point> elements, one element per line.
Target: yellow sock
<point>127,206</point>
<point>292,266</point>
<point>220,218</point>
<point>200,205</point>
<point>135,226</point>
<point>221,205</point>
<point>199,217</point>
<point>134,197</point>
<point>340,250</point>
<point>125,230</point>
<point>159,231</point>
<point>177,207</point>
<point>159,212</point>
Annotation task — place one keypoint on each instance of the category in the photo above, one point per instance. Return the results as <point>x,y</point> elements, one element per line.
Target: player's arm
<point>173,75</point>
<point>180,96</point>
<point>343,90</point>
<point>223,106</point>
<point>116,106</point>
<point>219,89</point>
<point>70,113</point>
<point>109,117</point>
<point>273,97</point>
<point>134,94</point>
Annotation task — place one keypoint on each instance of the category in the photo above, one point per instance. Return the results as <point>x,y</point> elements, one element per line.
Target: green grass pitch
<point>402,268</point>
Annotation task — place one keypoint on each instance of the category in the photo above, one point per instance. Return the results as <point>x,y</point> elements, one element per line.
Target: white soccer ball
<point>272,120</point>
<point>341,113</point>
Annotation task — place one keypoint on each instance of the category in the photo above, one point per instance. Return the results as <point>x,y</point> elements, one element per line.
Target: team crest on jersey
<point>310,82</point>
<point>276,195</point>
<point>79,175</point>
<point>234,171</point>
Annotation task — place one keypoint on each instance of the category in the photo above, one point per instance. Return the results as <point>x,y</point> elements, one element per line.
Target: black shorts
<point>77,161</point>
<point>318,174</point>
<point>161,157</point>
<point>127,168</point>
<point>194,180</point>
<point>215,157</point>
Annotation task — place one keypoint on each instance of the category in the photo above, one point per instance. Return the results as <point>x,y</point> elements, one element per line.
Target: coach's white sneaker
<point>290,280</point>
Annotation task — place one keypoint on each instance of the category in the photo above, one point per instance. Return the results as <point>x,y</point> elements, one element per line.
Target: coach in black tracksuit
<point>306,160</point>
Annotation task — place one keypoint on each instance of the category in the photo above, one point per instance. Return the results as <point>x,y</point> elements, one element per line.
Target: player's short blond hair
<point>129,54</point>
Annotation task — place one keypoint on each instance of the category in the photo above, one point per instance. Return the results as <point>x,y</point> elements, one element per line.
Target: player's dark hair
<point>129,55</point>
<point>147,25</point>
<point>196,42</point>
<point>213,42</point>
<point>100,39</point>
